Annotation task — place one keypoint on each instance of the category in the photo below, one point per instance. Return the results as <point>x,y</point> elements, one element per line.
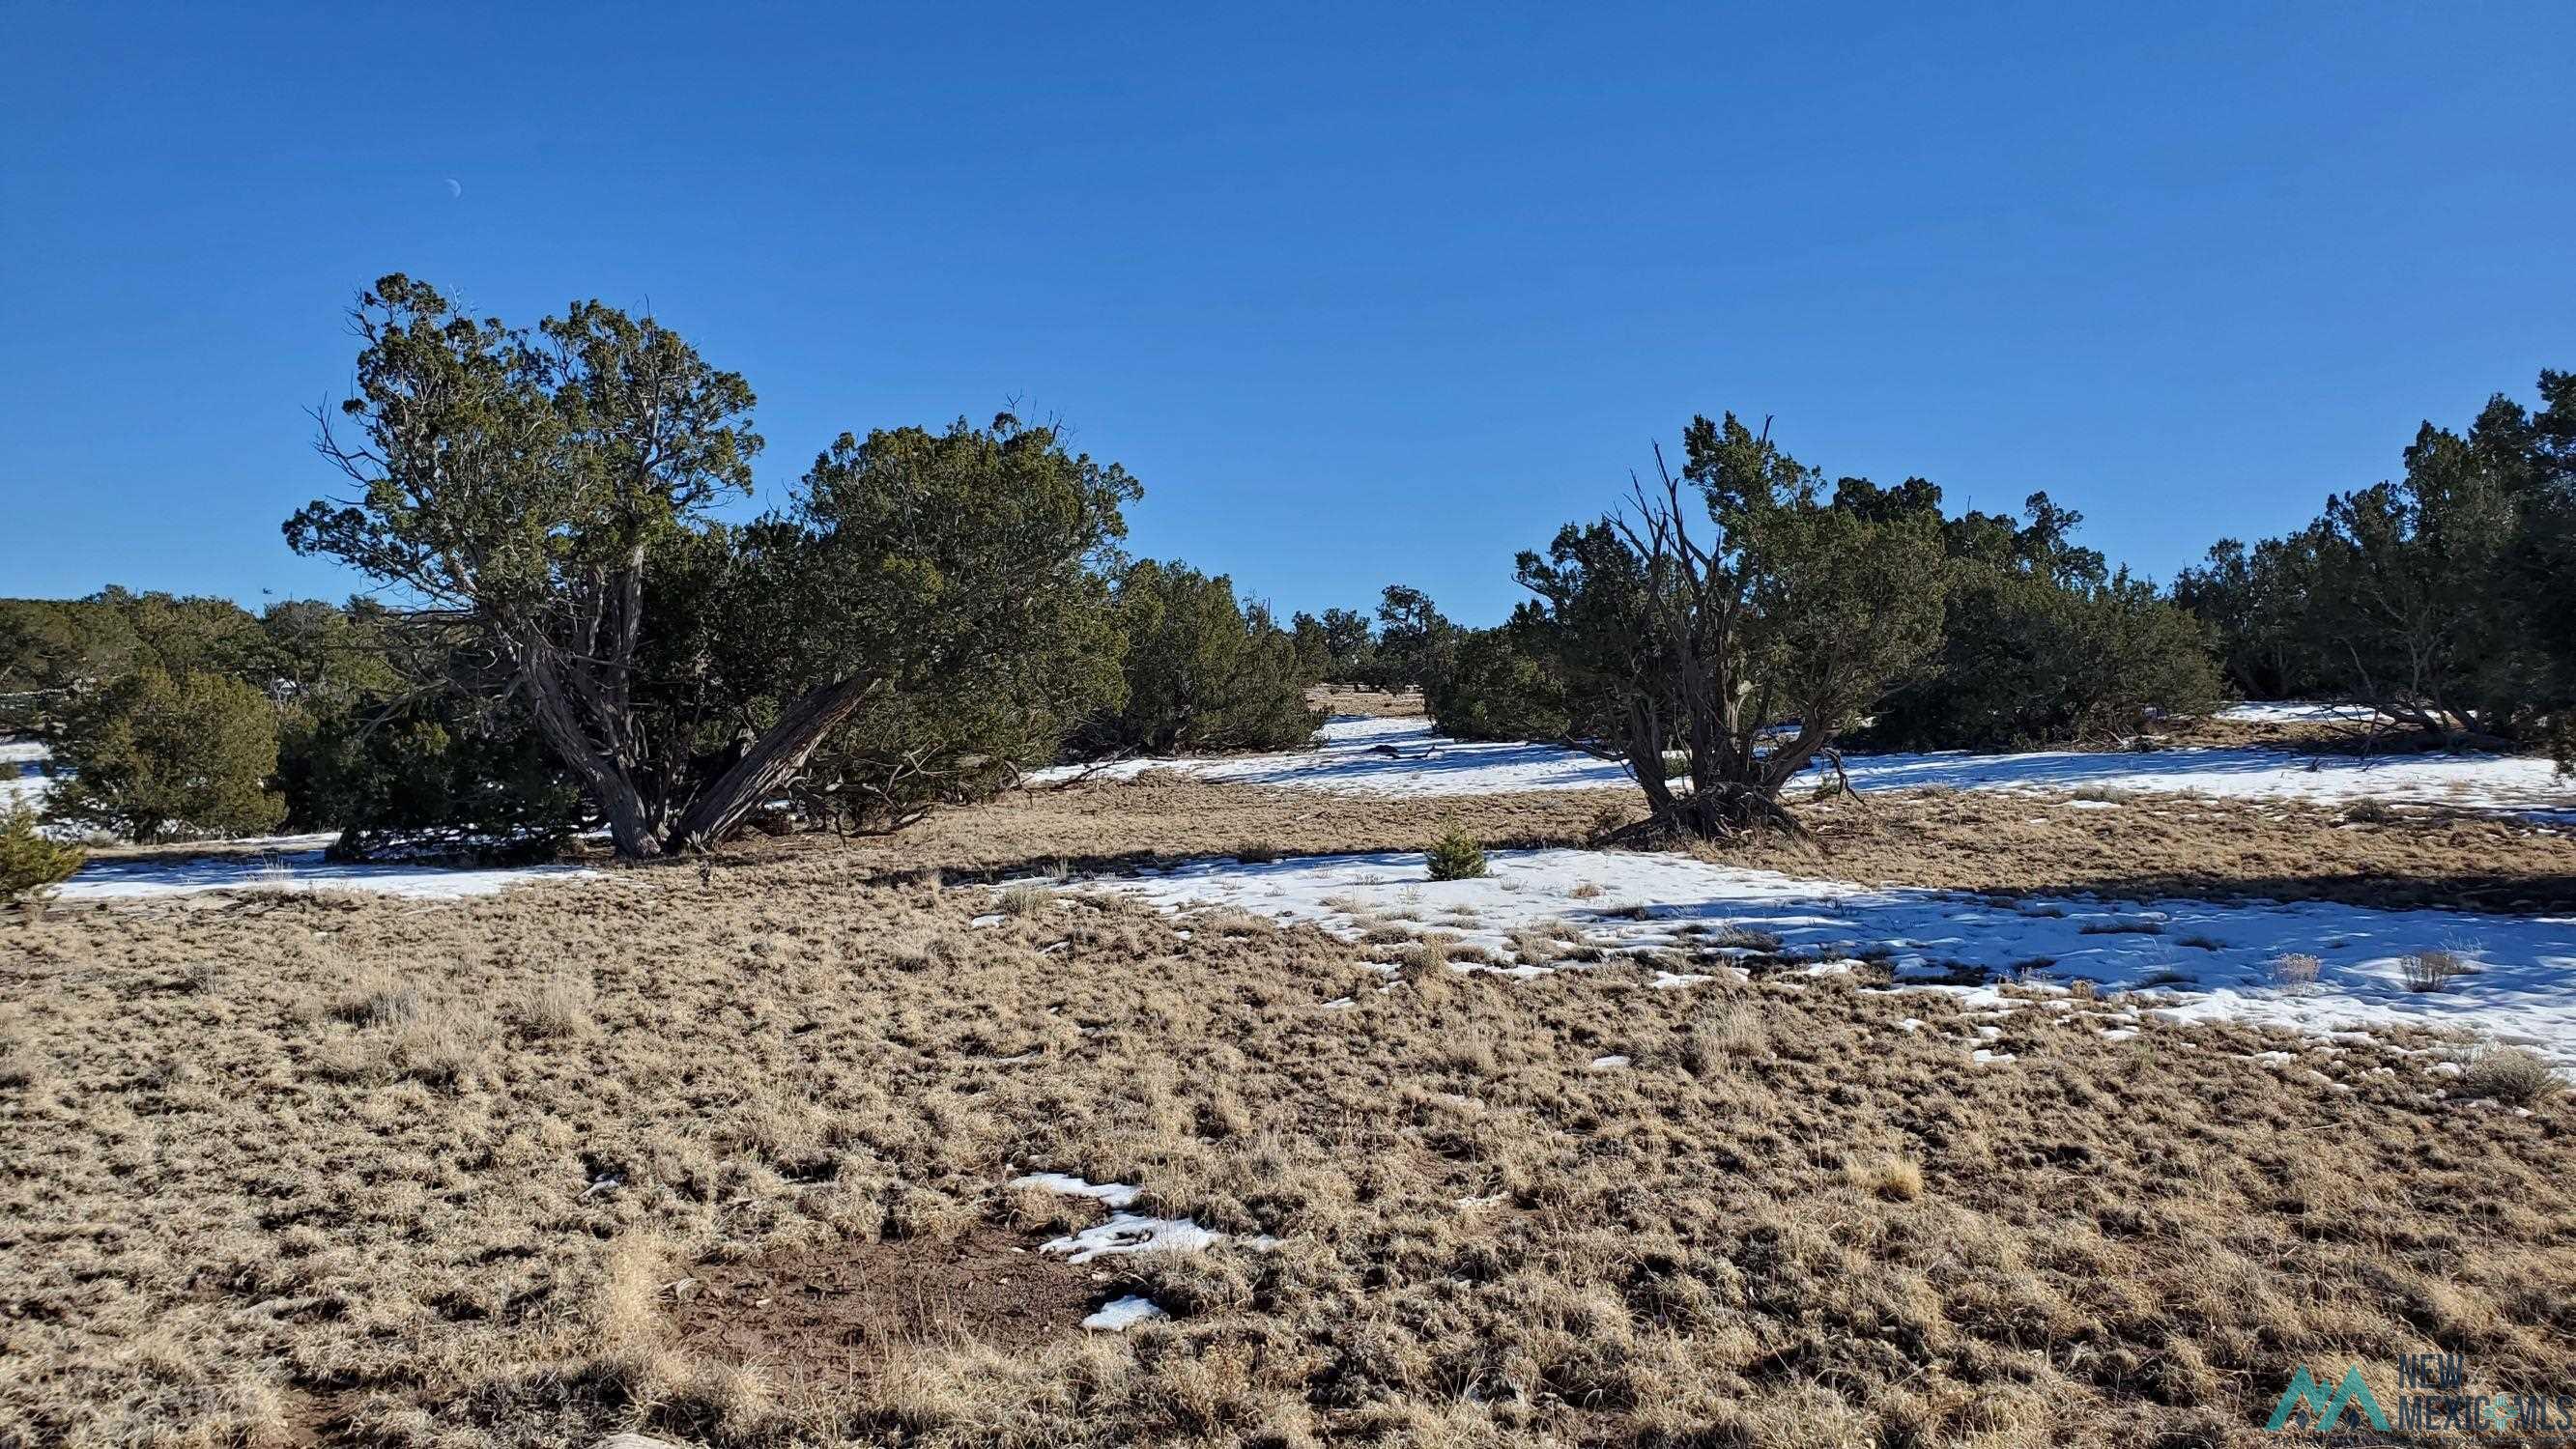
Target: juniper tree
<point>1724,601</point>
<point>545,498</point>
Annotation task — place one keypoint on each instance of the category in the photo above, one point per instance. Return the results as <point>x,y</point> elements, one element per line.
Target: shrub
<point>1456,856</point>
<point>1496,687</point>
<point>2032,659</point>
<point>1724,599</point>
<point>444,778</point>
<point>2510,1075</point>
<point>31,865</point>
<point>1202,672</point>
<point>2433,970</point>
<point>155,756</point>
<point>2296,969</point>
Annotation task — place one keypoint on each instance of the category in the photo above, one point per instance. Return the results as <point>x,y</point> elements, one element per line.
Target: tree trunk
<point>770,763</point>
<point>630,825</point>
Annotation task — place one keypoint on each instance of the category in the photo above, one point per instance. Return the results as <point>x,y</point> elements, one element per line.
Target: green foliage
<point>2439,597</point>
<point>156,756</point>
<point>1456,856</point>
<point>1345,642</point>
<point>31,865</point>
<point>2039,645</point>
<point>1202,673</point>
<point>1733,598</point>
<point>2254,603</point>
<point>547,494</point>
<point>433,778</point>
<point>1500,685</point>
<point>1415,641</point>
<point>50,648</point>
<point>963,572</point>
<point>501,469</point>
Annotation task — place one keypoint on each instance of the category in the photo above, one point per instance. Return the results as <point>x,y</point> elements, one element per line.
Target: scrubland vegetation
<point>345,1171</point>
<point>798,1122</point>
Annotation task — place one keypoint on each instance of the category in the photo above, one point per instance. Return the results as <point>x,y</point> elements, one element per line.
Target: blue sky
<point>1362,293</point>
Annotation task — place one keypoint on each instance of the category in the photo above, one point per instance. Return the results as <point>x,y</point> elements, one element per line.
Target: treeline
<point>2445,598</point>
<point>572,637</point>
<point>566,634</point>
<point>189,718</point>
<point>1739,620</point>
<point>2005,632</point>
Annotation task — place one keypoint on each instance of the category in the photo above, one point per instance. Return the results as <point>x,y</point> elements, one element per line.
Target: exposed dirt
<point>840,1313</point>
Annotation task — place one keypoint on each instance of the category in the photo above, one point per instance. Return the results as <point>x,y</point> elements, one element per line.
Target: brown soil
<point>840,1313</point>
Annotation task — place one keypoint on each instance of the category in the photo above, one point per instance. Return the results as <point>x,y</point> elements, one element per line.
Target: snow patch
<point>1120,1314</point>
<point>2523,987</point>
<point>1406,757</point>
<point>297,871</point>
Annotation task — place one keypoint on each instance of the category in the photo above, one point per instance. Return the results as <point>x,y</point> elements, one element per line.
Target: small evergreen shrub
<point>157,756</point>
<point>1456,856</point>
<point>31,865</point>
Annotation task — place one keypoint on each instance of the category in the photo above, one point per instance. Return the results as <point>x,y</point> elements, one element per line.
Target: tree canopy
<point>543,496</point>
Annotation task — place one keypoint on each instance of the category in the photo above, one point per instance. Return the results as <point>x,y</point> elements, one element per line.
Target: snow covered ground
<point>2187,960</point>
<point>22,773</point>
<point>1361,755</point>
<point>274,862</point>
<point>2295,712</point>
<point>301,869</point>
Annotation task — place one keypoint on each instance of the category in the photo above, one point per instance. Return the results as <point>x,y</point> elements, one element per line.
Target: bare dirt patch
<point>839,1314</point>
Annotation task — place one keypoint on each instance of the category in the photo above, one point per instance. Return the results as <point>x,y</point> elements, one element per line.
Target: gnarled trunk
<point>772,760</point>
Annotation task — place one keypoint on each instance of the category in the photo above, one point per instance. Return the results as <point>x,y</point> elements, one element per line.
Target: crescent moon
<point>454,190</point>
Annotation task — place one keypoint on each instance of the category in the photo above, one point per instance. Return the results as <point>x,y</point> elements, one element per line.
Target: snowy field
<point>298,866</point>
<point>22,773</point>
<point>2293,712</point>
<point>1361,755</point>
<point>2185,960</point>
<point>269,863</point>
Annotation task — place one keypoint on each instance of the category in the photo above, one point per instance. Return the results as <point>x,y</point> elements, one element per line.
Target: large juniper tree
<point>1727,601</point>
<point>545,497</point>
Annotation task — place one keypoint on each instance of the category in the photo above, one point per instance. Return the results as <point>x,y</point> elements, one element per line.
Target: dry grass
<point>346,1189</point>
<point>1989,842</point>
<point>2509,1075</point>
<point>2433,970</point>
<point>1376,703</point>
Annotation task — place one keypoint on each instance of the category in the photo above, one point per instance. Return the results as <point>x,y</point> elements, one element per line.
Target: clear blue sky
<point>1362,293</point>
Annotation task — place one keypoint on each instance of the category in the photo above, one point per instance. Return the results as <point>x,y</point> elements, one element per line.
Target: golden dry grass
<point>385,1173</point>
<point>1985,841</point>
